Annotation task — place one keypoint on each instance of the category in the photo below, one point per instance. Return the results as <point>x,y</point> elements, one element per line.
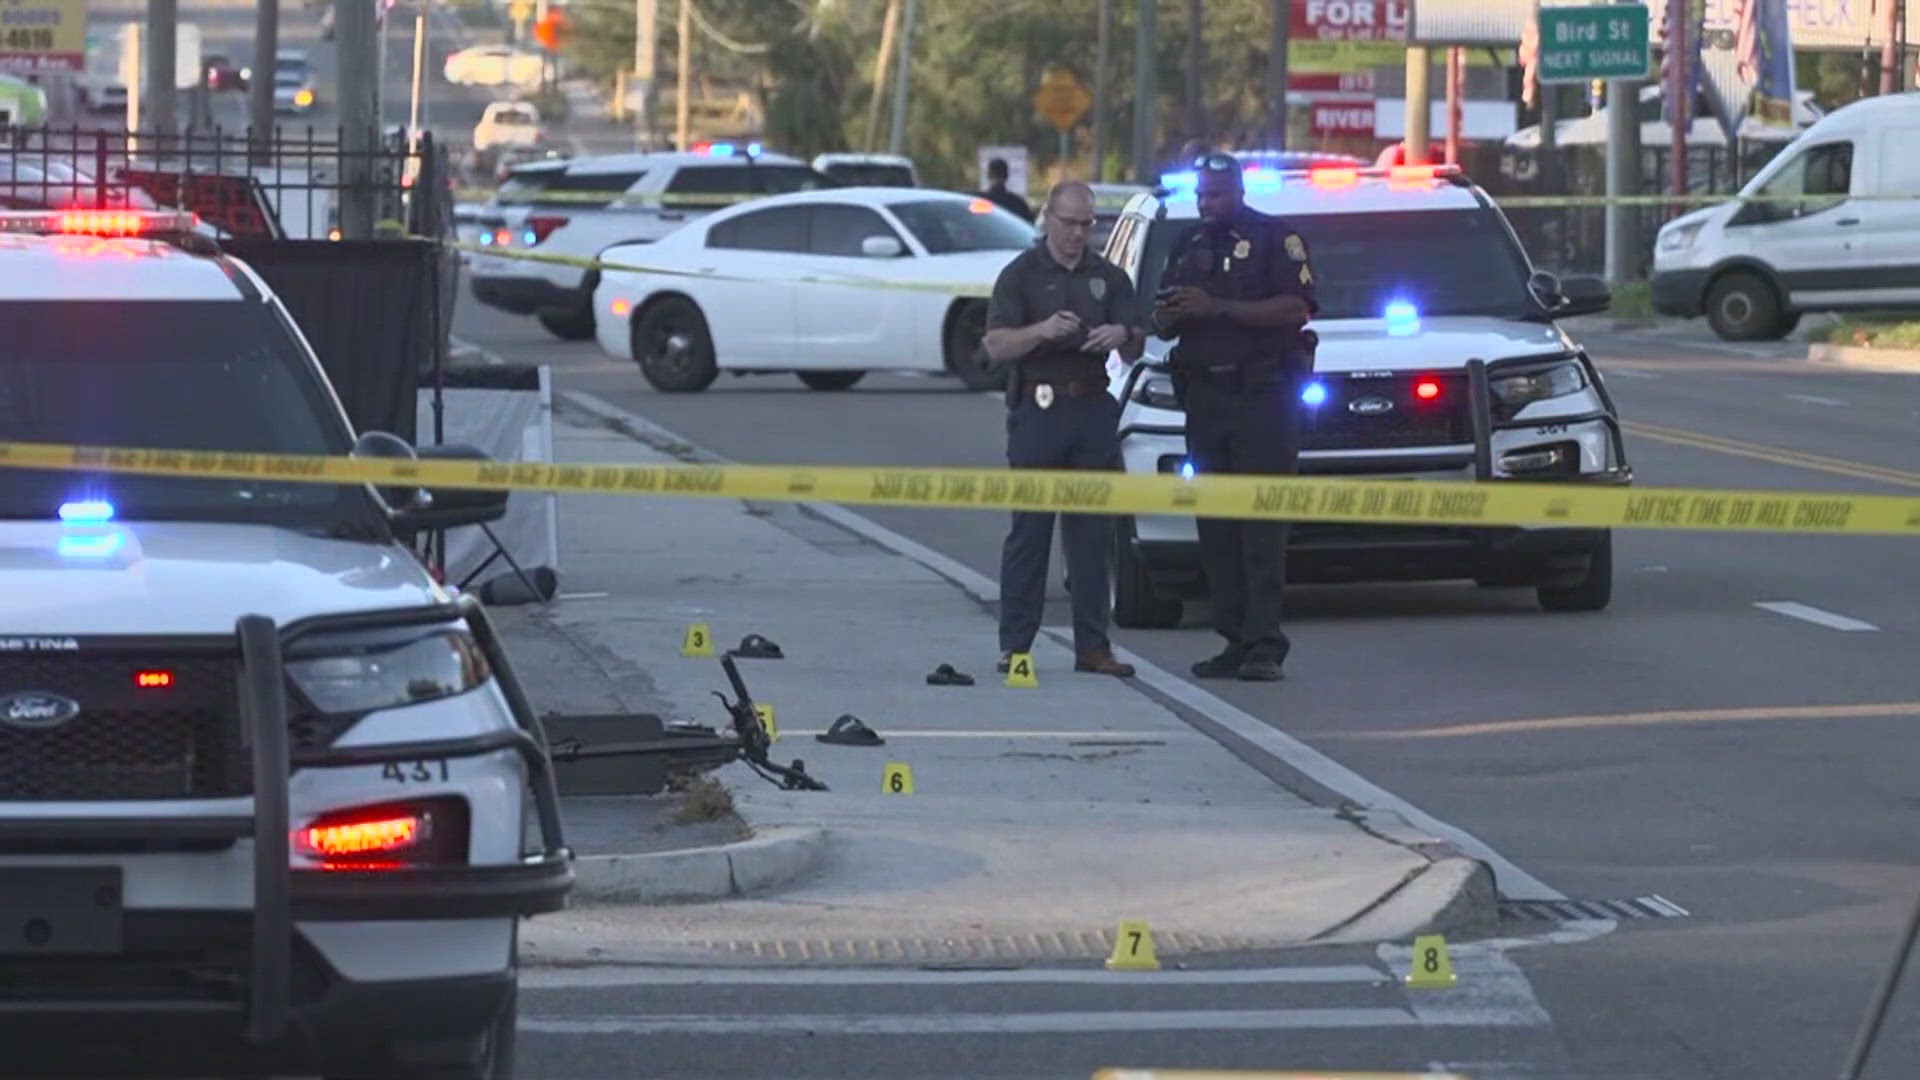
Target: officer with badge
<point>1237,295</point>
<point>1057,311</point>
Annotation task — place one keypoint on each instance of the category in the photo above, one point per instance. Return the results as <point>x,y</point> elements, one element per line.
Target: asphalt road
<point>1749,764</point>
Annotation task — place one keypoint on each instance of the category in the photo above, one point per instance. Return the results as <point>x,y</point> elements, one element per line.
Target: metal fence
<point>288,185</point>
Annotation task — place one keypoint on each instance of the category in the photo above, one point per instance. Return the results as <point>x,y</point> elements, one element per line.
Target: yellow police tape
<point>1289,498</point>
<point>977,290</point>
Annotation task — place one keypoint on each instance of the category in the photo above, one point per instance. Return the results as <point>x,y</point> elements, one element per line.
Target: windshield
<point>1361,262</point>
<point>220,375</point>
<point>946,226</point>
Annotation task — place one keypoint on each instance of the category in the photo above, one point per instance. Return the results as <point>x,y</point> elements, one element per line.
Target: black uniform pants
<point>1074,433</point>
<point>1251,431</point>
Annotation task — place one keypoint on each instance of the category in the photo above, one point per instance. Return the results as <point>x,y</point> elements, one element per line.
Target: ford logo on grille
<point>35,709</point>
<point>1370,405</point>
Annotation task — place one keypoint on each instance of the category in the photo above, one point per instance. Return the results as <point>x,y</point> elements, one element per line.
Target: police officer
<point>1057,310</point>
<point>1237,295</point>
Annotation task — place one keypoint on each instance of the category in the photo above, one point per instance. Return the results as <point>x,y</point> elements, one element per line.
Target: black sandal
<point>944,675</point>
<point>849,731</point>
<point>755,647</point>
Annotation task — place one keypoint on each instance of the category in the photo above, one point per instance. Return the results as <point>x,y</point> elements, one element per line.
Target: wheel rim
<point>969,330</point>
<point>1737,308</point>
<point>671,344</point>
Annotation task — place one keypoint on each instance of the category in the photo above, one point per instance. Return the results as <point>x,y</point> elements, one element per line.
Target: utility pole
<point>1102,86</point>
<point>1456,79</point>
<point>1145,96</point>
<point>417,99</point>
<point>1623,175</point>
<point>355,45</point>
<point>1278,44</point>
<point>1890,46</point>
<point>1419,140</point>
<point>683,74</point>
<point>888,28</point>
<point>646,48</point>
<point>1196,108</point>
<point>903,80</point>
<point>163,42</point>
<point>266,51</point>
<point>1679,88</point>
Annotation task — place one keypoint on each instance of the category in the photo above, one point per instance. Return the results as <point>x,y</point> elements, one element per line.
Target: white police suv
<point>264,783</point>
<point>1439,360</point>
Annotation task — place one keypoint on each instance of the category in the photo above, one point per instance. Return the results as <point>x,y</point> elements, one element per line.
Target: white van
<point>1755,264</point>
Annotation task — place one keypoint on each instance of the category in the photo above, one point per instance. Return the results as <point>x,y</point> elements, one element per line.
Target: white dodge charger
<point>828,285</point>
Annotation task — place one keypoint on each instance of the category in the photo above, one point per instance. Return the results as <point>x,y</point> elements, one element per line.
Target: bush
<point>1873,335</point>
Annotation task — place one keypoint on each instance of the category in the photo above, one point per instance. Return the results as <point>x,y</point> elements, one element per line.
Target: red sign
<point>1331,82</point>
<point>1343,118</point>
<point>1349,20</point>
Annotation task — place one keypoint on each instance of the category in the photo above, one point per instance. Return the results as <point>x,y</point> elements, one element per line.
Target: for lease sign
<point>43,35</point>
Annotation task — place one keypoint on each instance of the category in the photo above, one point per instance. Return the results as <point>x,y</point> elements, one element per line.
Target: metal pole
<point>1277,75</point>
<point>683,74</point>
<point>417,104</point>
<point>1877,1010</point>
<point>1102,86</point>
<point>1419,140</point>
<point>355,45</point>
<point>889,27</point>
<point>266,56</point>
<point>1456,76</point>
<point>133,69</point>
<point>646,26</point>
<point>1680,87</point>
<point>163,42</point>
<point>380,65</point>
<point>1623,174</point>
<point>903,80</point>
<point>1196,109</point>
<point>1145,97</point>
<point>1890,47</point>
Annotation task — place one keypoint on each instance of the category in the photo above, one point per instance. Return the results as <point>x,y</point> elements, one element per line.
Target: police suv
<point>1439,359</point>
<point>265,785</point>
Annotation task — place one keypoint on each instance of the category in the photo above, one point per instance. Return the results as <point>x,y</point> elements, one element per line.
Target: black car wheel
<point>1593,592</point>
<point>673,347</point>
<point>966,351</point>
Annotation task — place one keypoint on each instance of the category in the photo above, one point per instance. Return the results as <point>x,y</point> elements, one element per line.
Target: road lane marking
<point>1513,882</point>
<point>1358,974</point>
<point>1625,372</point>
<point>1795,610</point>
<point>1050,1023</point>
<point>1815,399</point>
<point>1774,454</point>
<point>1643,719</point>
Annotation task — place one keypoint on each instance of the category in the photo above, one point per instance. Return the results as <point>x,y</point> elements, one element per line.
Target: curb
<point>773,858</point>
<point>1867,359</point>
<point>1455,894</point>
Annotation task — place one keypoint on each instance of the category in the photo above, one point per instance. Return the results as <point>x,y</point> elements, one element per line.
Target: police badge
<point>1296,250</point>
<point>1098,287</point>
<point>1242,249</point>
<point>1043,396</point>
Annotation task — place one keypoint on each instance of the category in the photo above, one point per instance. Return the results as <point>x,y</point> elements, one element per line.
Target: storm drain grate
<point>1642,907</point>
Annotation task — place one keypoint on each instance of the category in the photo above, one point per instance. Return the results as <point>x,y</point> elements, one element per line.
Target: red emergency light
<point>157,679</point>
<point>1331,179</point>
<point>1427,389</point>
<point>98,222</point>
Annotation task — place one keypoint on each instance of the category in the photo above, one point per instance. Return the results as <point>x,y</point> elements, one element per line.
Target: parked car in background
<point>495,66</point>
<point>869,170</point>
<point>507,123</point>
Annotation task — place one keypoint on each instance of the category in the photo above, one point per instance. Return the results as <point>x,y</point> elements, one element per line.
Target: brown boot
<point>1103,662</point>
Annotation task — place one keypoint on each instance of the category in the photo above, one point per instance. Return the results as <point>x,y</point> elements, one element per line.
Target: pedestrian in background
<point>998,193</point>
<point>1237,294</point>
<point>1057,311</point>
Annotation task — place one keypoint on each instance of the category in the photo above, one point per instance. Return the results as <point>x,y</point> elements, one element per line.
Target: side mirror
<point>1584,295</point>
<point>882,247</point>
<point>1546,288</point>
<point>448,508</point>
<point>398,499</point>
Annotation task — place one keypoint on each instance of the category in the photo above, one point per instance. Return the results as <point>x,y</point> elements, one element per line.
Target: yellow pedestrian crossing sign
<point>522,10</point>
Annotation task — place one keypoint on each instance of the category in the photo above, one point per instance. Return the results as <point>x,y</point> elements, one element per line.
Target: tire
<point>1592,593</point>
<point>1743,306</point>
<point>966,353</point>
<point>1137,605</point>
<point>496,1062</point>
<point>830,380</point>
<point>673,347</point>
<point>576,325</point>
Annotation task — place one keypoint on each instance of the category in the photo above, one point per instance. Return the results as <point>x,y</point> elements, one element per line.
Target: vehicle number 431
<point>415,772</point>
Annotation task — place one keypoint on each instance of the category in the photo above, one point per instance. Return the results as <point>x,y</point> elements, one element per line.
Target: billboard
<point>43,36</point>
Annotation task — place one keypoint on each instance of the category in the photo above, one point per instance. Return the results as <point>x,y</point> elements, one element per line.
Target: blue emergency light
<point>1314,394</point>
<point>1403,319</point>
<point>86,512</point>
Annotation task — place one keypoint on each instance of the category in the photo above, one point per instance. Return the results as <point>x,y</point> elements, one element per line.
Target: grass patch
<point>702,798</point>
<point>1632,300</point>
<point>1872,335</point>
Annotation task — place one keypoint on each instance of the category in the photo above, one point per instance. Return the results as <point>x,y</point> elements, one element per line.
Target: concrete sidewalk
<point>1040,817</point>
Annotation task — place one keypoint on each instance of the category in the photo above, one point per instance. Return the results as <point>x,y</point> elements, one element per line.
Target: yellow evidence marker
<point>1020,670</point>
<point>1133,949</point>
<point>698,642</point>
<point>765,712</point>
<point>1432,966</point>
<point>897,779</point>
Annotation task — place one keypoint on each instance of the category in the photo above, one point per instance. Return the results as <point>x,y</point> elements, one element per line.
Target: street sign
<point>1604,41</point>
<point>522,10</point>
<point>1061,99</point>
<point>44,36</point>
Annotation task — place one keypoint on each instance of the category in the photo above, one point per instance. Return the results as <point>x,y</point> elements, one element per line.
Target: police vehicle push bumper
<point>258,986</point>
<point>1575,439</point>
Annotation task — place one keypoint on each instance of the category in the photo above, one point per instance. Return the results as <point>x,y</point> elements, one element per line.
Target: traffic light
<point>549,29</point>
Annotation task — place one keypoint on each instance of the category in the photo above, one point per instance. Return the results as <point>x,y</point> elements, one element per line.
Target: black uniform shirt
<point>1251,256</point>
<point>1035,285</point>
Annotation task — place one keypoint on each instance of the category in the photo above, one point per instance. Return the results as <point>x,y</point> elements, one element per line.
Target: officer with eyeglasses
<point>1236,296</point>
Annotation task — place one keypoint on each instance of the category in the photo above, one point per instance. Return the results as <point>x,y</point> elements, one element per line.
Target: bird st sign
<point>1604,41</point>
<point>1061,99</point>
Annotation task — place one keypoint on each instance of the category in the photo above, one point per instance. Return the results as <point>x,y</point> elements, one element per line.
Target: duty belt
<point>1042,392</point>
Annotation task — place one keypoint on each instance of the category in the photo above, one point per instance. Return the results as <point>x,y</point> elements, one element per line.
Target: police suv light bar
<point>1265,178</point>
<point>98,222</point>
